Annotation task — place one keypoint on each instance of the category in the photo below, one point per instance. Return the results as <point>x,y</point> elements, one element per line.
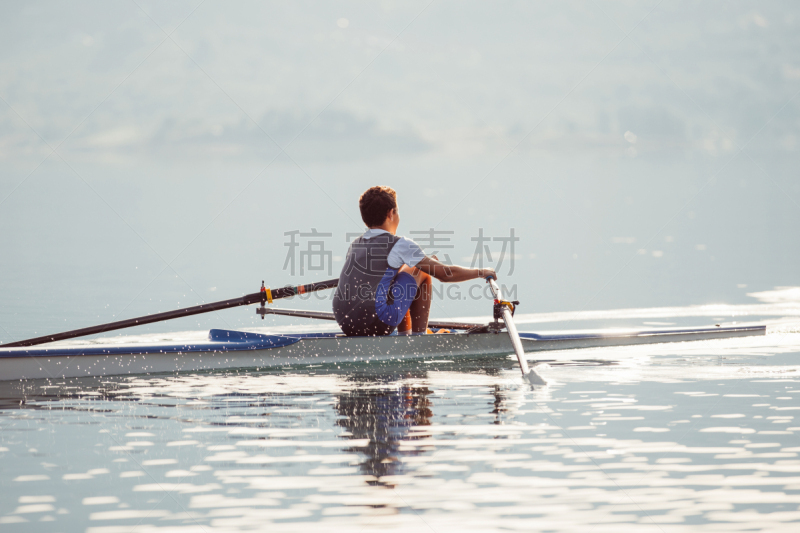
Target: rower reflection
<point>499,404</point>
<point>384,416</point>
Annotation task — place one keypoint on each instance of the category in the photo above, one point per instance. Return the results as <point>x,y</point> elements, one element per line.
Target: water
<point>644,153</point>
<point>676,437</point>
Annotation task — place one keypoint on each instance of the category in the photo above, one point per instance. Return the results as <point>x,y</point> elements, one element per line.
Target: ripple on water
<point>628,447</point>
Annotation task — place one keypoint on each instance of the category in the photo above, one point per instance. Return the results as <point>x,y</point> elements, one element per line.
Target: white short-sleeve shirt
<point>404,252</point>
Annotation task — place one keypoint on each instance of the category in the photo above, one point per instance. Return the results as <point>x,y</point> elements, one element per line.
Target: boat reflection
<point>382,409</point>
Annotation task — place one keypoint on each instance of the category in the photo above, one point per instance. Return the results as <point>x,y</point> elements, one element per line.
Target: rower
<point>386,279</point>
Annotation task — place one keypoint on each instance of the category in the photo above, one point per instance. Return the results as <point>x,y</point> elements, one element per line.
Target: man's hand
<point>484,273</point>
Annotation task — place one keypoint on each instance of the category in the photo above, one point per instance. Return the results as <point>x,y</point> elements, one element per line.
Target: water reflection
<point>472,450</point>
<point>499,403</point>
<point>383,415</point>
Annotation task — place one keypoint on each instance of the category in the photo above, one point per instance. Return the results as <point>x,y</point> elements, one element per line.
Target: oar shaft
<point>256,297</point>
<point>515,341</point>
<point>511,328</point>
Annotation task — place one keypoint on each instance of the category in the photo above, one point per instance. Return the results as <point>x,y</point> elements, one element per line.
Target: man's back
<point>365,268</point>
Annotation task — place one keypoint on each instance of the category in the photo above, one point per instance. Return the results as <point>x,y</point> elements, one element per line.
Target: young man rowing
<point>386,279</point>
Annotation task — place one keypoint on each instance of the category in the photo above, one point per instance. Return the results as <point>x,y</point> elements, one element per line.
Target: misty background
<point>153,156</point>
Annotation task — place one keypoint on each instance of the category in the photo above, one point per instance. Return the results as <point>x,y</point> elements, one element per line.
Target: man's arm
<point>452,273</point>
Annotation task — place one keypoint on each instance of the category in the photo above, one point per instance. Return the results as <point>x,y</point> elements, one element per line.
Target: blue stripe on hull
<point>220,340</point>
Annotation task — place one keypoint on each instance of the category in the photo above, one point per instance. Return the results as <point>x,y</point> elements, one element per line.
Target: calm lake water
<point>686,437</point>
<point>644,155</point>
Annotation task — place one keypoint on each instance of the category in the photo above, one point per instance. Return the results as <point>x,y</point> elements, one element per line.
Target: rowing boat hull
<point>236,350</point>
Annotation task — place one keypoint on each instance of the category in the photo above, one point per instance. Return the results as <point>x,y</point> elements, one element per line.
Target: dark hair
<point>375,204</point>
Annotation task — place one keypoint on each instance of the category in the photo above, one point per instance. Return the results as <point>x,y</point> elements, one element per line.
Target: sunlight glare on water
<point>621,165</point>
<point>676,437</point>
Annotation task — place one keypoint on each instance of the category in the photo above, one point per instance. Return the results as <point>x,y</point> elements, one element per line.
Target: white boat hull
<point>58,363</point>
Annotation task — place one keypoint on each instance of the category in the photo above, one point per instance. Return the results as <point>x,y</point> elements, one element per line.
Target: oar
<point>512,332</point>
<point>263,296</point>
